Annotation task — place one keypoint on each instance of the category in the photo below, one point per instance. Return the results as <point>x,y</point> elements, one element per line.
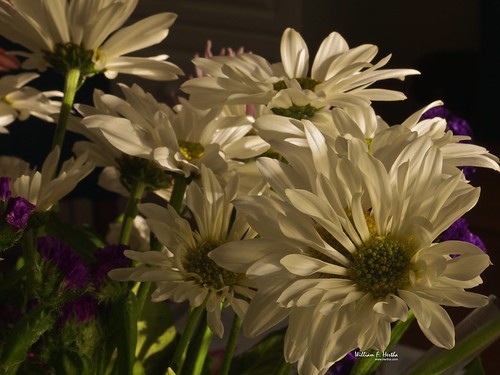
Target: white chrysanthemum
<point>44,188</point>
<point>183,271</point>
<point>85,34</point>
<point>179,141</point>
<point>352,255</point>
<point>18,101</point>
<point>381,140</point>
<point>340,76</point>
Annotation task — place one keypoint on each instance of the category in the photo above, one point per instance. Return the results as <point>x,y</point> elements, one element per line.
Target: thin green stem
<point>29,262</point>
<point>178,190</point>
<point>367,365</point>
<point>70,87</point>
<point>136,193</point>
<point>181,350</point>
<point>231,346</point>
<point>142,294</point>
<point>198,349</point>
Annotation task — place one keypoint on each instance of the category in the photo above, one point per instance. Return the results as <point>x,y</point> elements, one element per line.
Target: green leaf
<point>156,330</point>
<point>475,367</point>
<point>70,363</point>
<point>262,358</point>
<point>24,334</point>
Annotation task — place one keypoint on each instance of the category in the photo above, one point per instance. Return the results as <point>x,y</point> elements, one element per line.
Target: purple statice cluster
<point>72,267</point>
<point>15,210</point>
<point>82,309</point>
<point>79,277</point>
<point>460,231</point>
<point>108,258</point>
<point>457,125</point>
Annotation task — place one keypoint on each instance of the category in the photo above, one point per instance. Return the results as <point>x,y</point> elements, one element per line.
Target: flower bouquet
<point>270,196</point>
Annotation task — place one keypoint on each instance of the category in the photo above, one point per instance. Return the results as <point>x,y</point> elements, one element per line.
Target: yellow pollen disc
<point>191,150</point>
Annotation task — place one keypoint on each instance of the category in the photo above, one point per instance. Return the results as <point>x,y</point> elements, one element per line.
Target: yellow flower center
<point>191,150</point>
<point>379,267</point>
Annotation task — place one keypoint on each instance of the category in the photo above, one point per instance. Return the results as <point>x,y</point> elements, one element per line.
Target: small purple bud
<point>82,309</point>
<point>71,266</point>
<point>108,258</point>
<point>18,211</point>
<point>5,188</point>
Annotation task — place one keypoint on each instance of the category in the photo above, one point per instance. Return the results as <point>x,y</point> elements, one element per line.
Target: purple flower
<point>108,258</point>
<point>18,211</point>
<point>5,188</point>
<point>344,366</point>
<point>82,309</point>
<point>70,265</point>
<point>459,230</point>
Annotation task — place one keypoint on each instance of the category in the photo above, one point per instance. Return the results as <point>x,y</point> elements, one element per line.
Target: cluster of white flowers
<point>301,202</point>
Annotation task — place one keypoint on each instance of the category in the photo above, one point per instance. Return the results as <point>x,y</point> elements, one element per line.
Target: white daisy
<point>179,141</point>
<point>340,76</point>
<point>346,259</point>
<point>183,271</point>
<point>86,34</point>
<point>381,140</point>
<point>19,101</point>
<point>44,188</point>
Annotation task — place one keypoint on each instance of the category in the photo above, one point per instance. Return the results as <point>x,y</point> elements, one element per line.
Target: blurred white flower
<point>18,101</point>
<point>139,237</point>
<point>44,188</point>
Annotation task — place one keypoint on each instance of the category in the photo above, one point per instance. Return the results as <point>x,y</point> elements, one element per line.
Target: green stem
<point>142,294</point>
<point>283,368</point>
<point>136,193</point>
<point>178,190</point>
<point>29,263</point>
<point>231,346</point>
<point>367,365</point>
<point>198,349</point>
<point>180,351</point>
<point>70,87</point>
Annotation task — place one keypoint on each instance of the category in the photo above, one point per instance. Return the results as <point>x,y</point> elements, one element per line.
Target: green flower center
<point>305,83</point>
<point>381,266</point>
<point>296,112</point>
<point>134,170</point>
<point>66,57</point>
<point>205,271</point>
<point>191,150</point>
